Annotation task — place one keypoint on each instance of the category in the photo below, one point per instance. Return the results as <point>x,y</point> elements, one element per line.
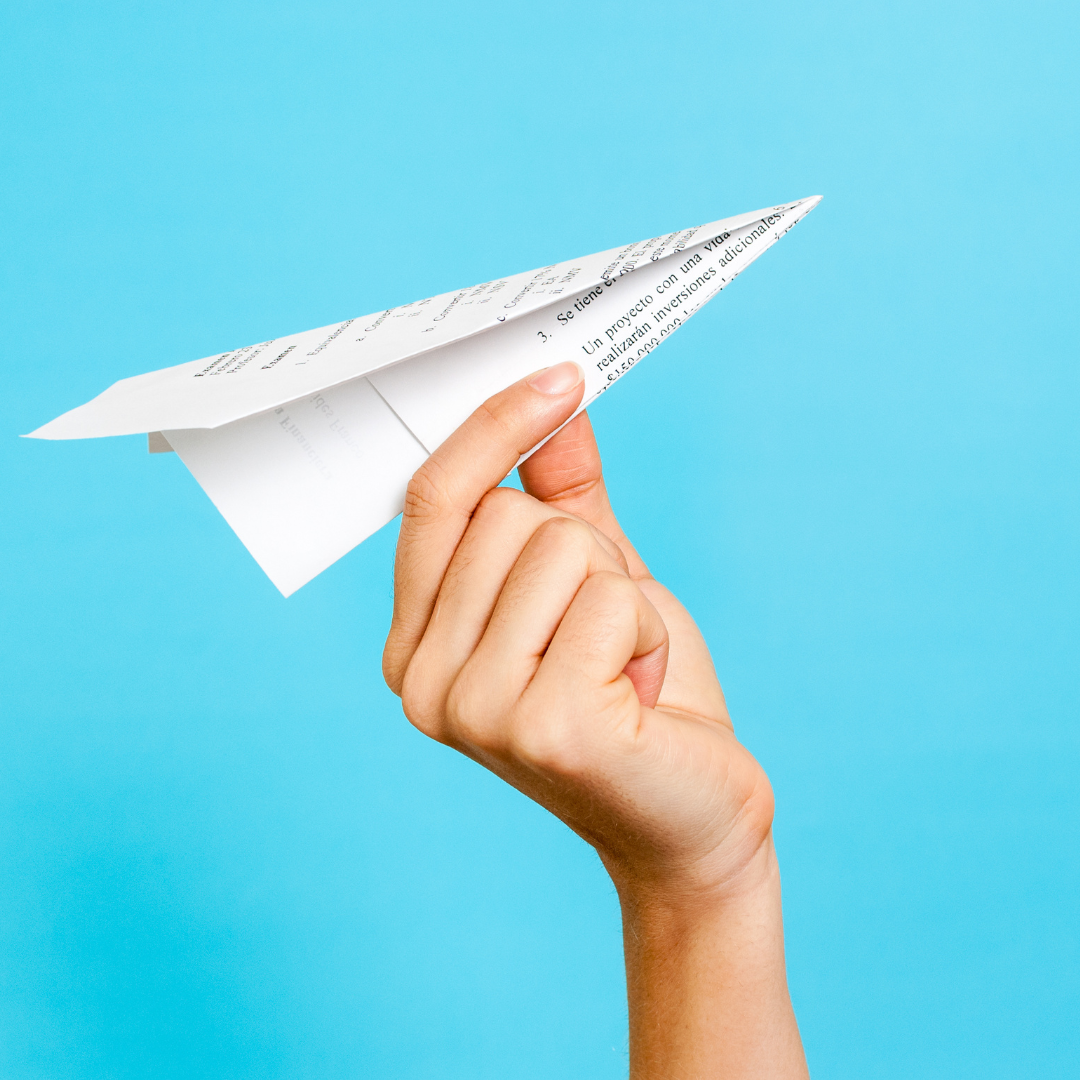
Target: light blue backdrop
<point>223,852</point>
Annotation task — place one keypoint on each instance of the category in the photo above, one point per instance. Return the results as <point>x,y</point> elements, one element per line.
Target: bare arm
<point>529,634</point>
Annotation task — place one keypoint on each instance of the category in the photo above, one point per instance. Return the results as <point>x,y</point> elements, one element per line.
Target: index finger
<point>445,490</point>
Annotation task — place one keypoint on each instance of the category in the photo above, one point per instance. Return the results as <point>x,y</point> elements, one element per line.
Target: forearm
<point>706,984</point>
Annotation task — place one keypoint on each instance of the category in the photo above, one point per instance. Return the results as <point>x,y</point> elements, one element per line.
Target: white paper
<point>307,443</point>
<point>298,484</point>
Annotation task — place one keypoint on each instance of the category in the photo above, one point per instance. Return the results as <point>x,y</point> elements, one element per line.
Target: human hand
<point>529,634</point>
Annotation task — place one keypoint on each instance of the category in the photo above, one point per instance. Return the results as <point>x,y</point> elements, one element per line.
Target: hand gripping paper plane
<point>306,443</point>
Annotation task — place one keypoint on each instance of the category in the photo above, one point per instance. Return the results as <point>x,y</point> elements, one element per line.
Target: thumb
<point>566,473</point>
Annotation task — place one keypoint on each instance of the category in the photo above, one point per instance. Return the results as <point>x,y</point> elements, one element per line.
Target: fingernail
<point>560,379</point>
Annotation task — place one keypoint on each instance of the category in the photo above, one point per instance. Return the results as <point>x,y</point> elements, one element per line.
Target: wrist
<point>706,982</point>
<point>684,895</point>
<point>738,924</point>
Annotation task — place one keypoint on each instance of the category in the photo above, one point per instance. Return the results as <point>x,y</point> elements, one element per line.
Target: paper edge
<point>743,220</point>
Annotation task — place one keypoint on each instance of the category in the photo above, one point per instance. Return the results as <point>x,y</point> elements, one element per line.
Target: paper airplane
<point>306,443</point>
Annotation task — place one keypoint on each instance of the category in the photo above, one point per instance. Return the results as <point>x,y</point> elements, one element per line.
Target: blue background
<point>223,852</point>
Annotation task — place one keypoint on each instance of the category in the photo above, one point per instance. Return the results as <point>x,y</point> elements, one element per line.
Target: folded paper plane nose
<point>306,443</point>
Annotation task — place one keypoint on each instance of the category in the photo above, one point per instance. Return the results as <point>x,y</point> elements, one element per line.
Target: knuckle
<point>564,536</point>
<point>500,502</point>
<point>617,554</point>
<point>425,497</point>
<point>466,715</point>
<point>608,608</point>
<point>458,706</point>
<point>393,663</point>
<point>615,591</point>
<point>491,416</point>
<point>546,744</point>
<point>419,703</point>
